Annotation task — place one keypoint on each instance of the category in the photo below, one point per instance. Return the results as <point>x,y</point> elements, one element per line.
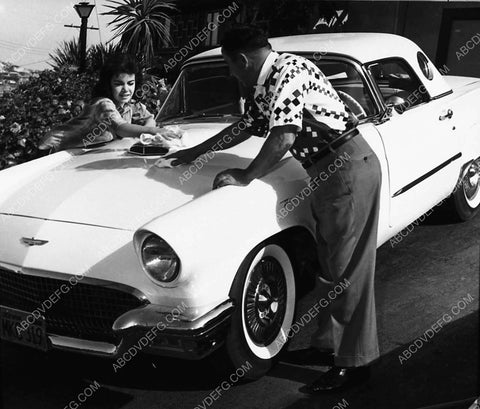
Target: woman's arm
<point>146,117</point>
<point>150,122</point>
<point>107,112</point>
<point>126,130</point>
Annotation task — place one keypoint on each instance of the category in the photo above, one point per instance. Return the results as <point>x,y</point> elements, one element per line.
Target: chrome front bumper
<point>152,331</point>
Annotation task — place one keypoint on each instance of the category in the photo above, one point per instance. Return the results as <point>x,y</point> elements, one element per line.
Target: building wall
<point>420,21</point>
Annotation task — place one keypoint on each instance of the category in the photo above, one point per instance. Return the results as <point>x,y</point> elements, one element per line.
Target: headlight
<point>159,259</point>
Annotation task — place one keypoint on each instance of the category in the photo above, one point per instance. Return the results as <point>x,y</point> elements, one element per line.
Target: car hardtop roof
<point>363,47</point>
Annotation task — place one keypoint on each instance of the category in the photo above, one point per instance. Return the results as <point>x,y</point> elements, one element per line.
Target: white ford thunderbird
<point>99,247</point>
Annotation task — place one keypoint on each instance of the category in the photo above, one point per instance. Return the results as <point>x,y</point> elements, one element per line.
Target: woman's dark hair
<point>244,38</point>
<point>116,64</point>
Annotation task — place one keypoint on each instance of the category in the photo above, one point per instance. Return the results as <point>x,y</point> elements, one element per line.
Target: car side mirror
<point>397,102</point>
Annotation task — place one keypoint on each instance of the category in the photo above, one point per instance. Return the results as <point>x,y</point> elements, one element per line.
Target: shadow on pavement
<point>445,369</point>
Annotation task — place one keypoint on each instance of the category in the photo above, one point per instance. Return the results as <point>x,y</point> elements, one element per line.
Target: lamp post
<point>83,10</point>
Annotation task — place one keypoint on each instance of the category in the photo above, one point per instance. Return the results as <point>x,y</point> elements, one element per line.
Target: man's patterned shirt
<point>291,90</point>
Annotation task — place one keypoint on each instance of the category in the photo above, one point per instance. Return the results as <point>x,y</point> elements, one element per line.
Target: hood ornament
<point>33,241</point>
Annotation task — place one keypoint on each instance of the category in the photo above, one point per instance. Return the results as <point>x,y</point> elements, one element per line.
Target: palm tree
<point>142,25</point>
<point>66,55</point>
<point>97,55</point>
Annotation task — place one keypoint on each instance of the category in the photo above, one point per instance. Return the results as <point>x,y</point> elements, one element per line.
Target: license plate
<point>34,335</point>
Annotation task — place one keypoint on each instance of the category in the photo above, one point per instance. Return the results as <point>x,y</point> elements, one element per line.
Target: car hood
<point>110,187</point>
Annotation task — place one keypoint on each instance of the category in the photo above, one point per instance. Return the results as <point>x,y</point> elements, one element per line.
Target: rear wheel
<point>264,295</point>
<point>466,198</point>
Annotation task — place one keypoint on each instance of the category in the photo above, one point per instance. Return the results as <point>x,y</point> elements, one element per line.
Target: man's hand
<point>222,140</point>
<point>182,157</point>
<point>235,177</point>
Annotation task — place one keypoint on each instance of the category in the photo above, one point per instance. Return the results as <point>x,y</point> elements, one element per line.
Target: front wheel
<point>466,198</point>
<point>264,296</point>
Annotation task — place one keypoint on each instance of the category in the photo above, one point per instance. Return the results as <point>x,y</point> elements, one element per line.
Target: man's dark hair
<point>244,38</point>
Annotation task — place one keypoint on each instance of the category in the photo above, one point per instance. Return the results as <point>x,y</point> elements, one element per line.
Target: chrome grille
<point>87,311</point>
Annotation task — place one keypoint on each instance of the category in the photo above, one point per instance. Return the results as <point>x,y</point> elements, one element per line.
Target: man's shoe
<point>309,356</point>
<point>336,378</point>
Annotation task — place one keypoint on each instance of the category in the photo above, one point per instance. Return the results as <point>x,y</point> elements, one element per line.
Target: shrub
<point>47,99</point>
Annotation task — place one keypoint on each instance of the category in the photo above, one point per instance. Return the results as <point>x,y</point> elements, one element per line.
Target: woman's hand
<point>152,130</point>
<point>51,141</point>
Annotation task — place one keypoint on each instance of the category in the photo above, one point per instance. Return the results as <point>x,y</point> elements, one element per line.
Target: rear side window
<point>399,85</point>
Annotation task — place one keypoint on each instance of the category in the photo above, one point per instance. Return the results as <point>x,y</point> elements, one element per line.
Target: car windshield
<point>203,90</point>
<point>207,89</point>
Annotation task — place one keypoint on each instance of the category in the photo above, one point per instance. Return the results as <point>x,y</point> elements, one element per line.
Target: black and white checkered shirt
<point>291,90</point>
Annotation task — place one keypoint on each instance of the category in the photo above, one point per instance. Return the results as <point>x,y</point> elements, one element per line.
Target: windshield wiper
<point>196,116</point>
<point>205,115</point>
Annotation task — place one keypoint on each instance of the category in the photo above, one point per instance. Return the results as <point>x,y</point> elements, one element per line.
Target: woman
<point>110,114</point>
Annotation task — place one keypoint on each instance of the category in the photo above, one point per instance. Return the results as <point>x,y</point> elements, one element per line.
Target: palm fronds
<point>141,25</point>
<point>97,55</point>
<point>66,55</point>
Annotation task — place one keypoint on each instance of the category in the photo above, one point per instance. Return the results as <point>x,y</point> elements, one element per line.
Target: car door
<point>352,85</point>
<point>419,140</point>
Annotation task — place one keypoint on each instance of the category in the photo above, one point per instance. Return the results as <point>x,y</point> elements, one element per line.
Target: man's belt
<point>329,148</point>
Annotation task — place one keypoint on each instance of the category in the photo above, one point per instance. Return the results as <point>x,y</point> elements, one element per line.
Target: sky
<point>31,29</point>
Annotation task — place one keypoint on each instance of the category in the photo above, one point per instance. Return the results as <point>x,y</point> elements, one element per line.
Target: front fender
<point>213,234</point>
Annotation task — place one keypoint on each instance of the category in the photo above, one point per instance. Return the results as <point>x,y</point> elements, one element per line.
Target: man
<point>295,105</point>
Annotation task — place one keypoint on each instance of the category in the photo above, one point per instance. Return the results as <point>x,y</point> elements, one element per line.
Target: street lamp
<point>83,10</point>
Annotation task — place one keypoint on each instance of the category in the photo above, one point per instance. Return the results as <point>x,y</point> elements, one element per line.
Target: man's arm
<point>279,141</point>
<point>227,138</point>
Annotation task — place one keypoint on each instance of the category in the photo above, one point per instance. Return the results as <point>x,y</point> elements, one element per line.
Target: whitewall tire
<point>466,198</point>
<point>264,296</point>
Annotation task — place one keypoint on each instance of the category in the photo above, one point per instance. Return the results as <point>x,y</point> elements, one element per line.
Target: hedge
<point>48,98</point>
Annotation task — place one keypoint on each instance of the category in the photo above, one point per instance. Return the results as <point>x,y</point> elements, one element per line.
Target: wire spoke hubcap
<point>471,182</point>
<point>265,301</point>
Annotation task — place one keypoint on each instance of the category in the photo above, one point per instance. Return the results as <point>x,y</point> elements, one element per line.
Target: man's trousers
<point>345,206</point>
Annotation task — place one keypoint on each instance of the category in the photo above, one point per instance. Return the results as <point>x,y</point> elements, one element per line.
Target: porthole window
<point>425,65</point>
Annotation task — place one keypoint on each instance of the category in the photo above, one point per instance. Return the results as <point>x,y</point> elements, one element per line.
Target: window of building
<point>212,37</point>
